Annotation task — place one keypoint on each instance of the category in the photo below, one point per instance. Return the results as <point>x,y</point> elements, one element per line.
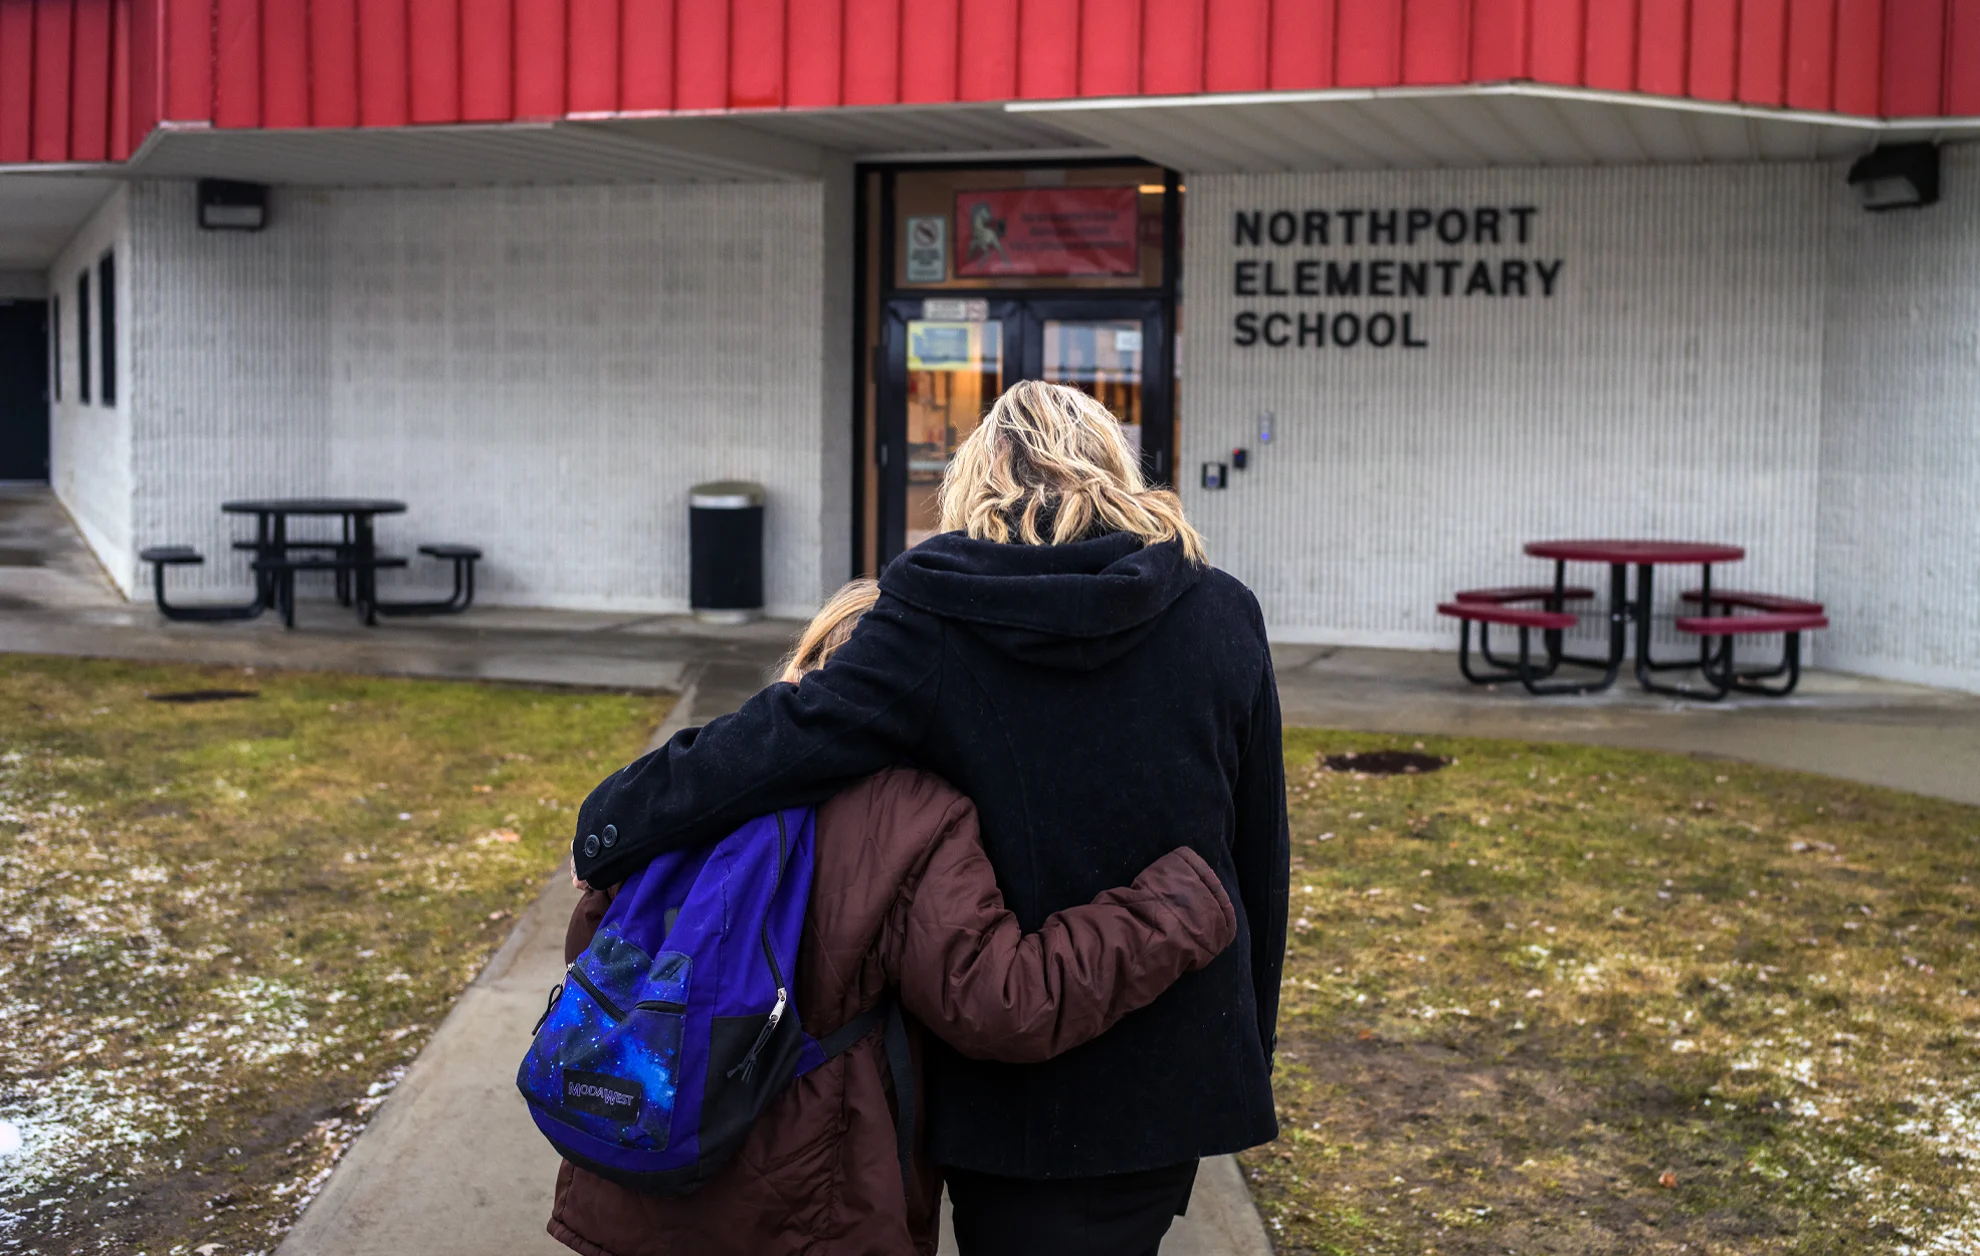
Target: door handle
<point>883,455</point>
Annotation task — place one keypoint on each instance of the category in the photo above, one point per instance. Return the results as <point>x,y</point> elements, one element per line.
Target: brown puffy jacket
<point>902,896</point>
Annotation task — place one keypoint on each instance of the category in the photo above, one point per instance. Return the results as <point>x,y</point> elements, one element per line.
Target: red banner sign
<point>1048,231</point>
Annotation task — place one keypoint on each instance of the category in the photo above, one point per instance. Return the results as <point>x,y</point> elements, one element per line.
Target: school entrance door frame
<point>933,356</point>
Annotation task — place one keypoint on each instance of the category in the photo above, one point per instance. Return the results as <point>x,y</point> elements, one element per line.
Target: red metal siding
<point>1762,51</point>
<point>1109,55</point>
<point>872,54</point>
<point>756,56</point>
<point>1663,33</point>
<point>1914,47</point>
<point>1172,62</point>
<point>1712,61</point>
<point>285,68</point>
<point>433,29</point>
<point>1437,41</point>
<point>1859,55</point>
<point>488,57</point>
<point>1368,43</point>
<point>1236,46</point>
<point>1048,49</point>
<point>237,63</point>
<point>990,70</point>
<point>1499,33</point>
<point>120,82</point>
<point>1610,62</point>
<point>89,116</point>
<point>85,80</point>
<point>1962,70</point>
<point>1557,40</point>
<point>1303,45</point>
<point>17,86</point>
<point>382,62</point>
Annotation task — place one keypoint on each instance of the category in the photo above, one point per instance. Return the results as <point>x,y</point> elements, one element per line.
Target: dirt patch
<point>203,695</point>
<point>1384,762</point>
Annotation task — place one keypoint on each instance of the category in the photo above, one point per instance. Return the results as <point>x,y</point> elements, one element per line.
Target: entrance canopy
<point>1401,128</point>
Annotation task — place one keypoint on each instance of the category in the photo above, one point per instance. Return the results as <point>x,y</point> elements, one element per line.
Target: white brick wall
<point>229,371</point>
<point>89,455</point>
<point>1900,501</point>
<point>1671,388</point>
<point>539,371</point>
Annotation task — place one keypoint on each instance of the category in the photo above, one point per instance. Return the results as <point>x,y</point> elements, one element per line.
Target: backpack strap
<point>900,1063</point>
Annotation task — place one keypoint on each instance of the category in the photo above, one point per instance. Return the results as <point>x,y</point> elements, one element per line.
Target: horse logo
<point>986,233</point>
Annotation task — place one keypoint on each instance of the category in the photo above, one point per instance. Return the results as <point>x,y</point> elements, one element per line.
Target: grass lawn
<point>226,926</point>
<point>1554,999</point>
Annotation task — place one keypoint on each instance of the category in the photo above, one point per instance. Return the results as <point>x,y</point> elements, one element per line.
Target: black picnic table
<point>352,558</point>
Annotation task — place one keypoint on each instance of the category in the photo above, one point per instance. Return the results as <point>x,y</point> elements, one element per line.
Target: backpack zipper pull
<point>748,1064</point>
<point>556,995</point>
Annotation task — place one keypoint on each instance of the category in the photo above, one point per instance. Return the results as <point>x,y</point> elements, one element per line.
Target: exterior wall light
<point>1897,176</point>
<point>225,205</point>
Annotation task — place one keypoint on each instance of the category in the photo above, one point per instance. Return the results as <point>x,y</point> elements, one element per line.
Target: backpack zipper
<point>597,995</point>
<point>748,1064</point>
<point>611,1008</point>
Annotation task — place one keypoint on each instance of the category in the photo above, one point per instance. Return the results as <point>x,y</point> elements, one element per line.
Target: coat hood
<point>1076,607</point>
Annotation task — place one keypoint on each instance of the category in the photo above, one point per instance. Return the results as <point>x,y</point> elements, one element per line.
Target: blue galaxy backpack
<point>676,1026</point>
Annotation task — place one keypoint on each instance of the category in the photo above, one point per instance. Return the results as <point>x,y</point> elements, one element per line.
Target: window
<point>55,343</point>
<point>82,337</point>
<point>106,324</point>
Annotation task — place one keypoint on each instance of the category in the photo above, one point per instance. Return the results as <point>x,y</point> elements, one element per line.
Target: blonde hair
<point>1048,457</point>
<point>830,628</point>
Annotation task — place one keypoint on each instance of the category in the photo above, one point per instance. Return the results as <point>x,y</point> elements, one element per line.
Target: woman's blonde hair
<point>1051,459</point>
<point>830,628</point>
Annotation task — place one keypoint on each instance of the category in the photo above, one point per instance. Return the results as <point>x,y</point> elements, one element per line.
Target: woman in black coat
<point>1063,655</point>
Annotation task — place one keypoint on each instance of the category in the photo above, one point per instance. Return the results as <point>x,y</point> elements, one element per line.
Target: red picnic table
<point>1774,614</point>
<point>1620,555</point>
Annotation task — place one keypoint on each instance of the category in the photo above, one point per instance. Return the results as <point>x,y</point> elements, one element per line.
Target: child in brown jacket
<point>902,896</point>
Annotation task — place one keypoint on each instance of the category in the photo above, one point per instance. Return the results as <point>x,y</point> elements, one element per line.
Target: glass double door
<point>945,360</point>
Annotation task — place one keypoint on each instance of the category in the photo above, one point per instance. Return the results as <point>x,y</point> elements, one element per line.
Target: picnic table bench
<point>1725,616</point>
<point>351,557</point>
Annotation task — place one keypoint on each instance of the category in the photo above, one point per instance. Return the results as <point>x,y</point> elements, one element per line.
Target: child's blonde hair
<point>830,628</point>
<point>1051,458</point>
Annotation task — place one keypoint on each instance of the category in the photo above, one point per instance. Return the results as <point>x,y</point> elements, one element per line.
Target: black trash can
<point>725,551</point>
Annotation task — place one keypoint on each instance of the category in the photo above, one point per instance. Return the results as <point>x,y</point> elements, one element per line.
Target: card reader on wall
<point>1238,458</point>
<point>1215,475</point>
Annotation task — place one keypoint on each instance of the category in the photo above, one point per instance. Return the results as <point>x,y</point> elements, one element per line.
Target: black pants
<point>1122,1214</point>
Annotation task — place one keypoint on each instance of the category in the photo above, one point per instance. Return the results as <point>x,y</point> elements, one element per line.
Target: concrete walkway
<point>1876,731</point>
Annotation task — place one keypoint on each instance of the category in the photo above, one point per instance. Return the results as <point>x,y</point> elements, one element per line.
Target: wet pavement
<point>1876,731</point>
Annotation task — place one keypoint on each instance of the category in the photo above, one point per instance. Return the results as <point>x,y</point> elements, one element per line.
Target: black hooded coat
<point>1103,702</point>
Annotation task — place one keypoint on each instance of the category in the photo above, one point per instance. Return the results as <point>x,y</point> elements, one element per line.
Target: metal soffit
<point>40,211</point>
<point>1510,124</point>
<point>874,133</point>
<point>696,150</point>
<point>751,147</point>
